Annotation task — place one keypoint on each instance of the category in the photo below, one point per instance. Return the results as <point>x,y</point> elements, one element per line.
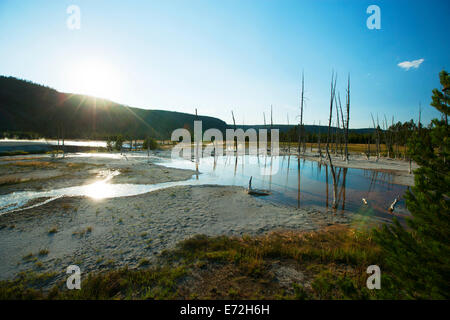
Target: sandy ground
<point>122,231</point>
<point>108,233</point>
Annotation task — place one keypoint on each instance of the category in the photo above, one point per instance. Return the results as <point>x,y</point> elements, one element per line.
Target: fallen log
<point>392,207</point>
<point>256,192</point>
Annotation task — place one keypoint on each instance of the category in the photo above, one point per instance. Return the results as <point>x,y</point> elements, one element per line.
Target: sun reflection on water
<point>101,189</point>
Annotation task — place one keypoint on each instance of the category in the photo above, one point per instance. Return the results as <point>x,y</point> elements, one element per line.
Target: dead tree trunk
<point>337,130</point>
<point>318,142</point>
<point>197,147</point>
<point>377,136</point>
<point>343,153</point>
<point>271,117</point>
<point>348,118</point>
<point>387,137</point>
<point>396,133</point>
<point>271,125</point>
<point>288,136</point>
<point>234,127</point>
<point>300,129</point>
<point>333,173</point>
<point>392,206</point>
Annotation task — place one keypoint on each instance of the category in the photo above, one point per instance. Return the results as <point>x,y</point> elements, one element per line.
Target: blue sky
<point>244,56</point>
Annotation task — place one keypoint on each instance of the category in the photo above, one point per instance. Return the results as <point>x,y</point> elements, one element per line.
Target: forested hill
<point>28,107</point>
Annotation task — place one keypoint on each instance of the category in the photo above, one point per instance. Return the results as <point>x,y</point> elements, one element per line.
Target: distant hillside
<point>28,107</point>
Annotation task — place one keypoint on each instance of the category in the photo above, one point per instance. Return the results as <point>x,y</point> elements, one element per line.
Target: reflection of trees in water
<point>270,174</point>
<point>375,186</point>
<point>342,192</point>
<point>338,187</point>
<point>287,173</point>
<point>381,177</point>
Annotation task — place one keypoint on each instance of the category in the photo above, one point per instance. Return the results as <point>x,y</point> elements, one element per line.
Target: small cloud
<point>406,65</point>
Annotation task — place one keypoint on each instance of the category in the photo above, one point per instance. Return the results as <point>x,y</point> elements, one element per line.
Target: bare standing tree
<point>348,118</point>
<point>197,147</point>
<point>288,136</point>
<point>319,146</point>
<point>336,131</point>
<point>271,125</point>
<point>234,127</point>
<point>387,137</point>
<point>265,126</point>
<point>395,138</point>
<point>271,117</point>
<point>332,169</point>
<point>377,136</point>
<point>300,128</point>
<point>344,136</point>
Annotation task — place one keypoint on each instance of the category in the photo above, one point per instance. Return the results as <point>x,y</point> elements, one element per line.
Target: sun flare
<point>95,78</point>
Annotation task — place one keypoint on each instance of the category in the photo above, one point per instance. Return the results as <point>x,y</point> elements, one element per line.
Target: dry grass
<point>12,180</point>
<point>32,164</point>
<point>73,165</point>
<point>20,158</point>
<point>83,232</point>
<point>43,252</point>
<point>333,262</point>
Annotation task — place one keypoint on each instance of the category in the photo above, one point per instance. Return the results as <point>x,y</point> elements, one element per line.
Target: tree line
<point>117,143</point>
<point>394,139</point>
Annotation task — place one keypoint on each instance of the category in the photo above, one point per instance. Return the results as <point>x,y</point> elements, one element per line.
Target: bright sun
<point>95,78</point>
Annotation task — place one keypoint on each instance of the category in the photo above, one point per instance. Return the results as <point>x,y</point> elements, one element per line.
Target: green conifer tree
<point>418,256</point>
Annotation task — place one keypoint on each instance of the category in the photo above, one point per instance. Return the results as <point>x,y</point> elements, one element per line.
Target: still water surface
<point>293,182</point>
